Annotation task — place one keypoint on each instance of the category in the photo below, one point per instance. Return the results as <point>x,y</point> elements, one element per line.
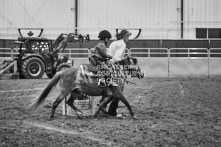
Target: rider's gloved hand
<point>109,57</point>
<point>109,62</point>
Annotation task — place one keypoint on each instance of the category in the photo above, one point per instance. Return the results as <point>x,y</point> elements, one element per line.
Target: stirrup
<point>112,83</point>
<point>102,82</point>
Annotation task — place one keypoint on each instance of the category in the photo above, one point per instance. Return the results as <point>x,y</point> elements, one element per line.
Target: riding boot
<point>106,93</point>
<point>113,107</point>
<point>114,104</point>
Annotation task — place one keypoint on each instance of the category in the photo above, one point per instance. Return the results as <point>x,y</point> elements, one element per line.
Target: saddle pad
<point>88,72</point>
<point>91,68</point>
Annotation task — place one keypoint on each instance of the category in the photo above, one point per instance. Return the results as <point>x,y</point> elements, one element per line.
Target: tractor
<point>37,56</point>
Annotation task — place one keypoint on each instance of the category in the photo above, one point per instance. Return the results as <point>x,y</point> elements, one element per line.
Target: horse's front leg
<point>103,103</point>
<point>103,109</point>
<point>117,93</point>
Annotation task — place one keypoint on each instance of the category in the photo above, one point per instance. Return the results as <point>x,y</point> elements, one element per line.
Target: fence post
<point>168,57</point>
<point>12,53</point>
<point>69,53</point>
<point>208,58</point>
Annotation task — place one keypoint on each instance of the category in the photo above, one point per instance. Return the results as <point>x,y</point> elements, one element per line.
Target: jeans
<point>113,107</point>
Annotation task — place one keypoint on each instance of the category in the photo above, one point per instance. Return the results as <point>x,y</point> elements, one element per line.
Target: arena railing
<point>149,52</point>
<point>153,61</point>
<point>188,62</point>
<point>138,52</point>
<point>7,53</point>
<point>156,61</point>
<point>215,53</point>
<point>214,61</point>
<point>76,53</point>
<point>69,52</point>
<point>191,53</point>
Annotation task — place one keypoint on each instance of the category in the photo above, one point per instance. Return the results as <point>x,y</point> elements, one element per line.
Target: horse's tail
<point>44,93</point>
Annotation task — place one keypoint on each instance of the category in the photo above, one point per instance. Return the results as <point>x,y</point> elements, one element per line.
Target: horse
<point>73,82</point>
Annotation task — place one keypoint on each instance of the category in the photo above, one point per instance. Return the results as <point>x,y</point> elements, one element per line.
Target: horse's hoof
<point>119,116</point>
<point>95,116</point>
<point>79,116</point>
<point>50,118</point>
<point>81,112</point>
<point>134,117</point>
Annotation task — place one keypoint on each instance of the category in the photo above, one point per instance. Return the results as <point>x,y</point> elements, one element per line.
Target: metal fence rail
<point>193,53</point>
<point>214,61</point>
<point>74,53</point>
<point>215,53</point>
<point>7,53</point>
<point>149,52</point>
<point>157,62</point>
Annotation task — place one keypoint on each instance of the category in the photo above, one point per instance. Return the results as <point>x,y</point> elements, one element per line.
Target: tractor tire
<point>33,68</point>
<point>63,66</point>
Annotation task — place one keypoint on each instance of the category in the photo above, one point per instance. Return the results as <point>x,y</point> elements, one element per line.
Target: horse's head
<point>130,64</point>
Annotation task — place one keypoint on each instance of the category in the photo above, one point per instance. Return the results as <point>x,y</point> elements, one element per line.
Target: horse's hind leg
<point>117,93</point>
<point>70,102</point>
<point>61,96</point>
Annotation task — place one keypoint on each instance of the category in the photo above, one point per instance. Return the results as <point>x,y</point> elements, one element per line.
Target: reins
<point>129,82</point>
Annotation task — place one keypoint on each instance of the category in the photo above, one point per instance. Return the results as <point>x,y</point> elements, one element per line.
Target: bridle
<point>131,64</point>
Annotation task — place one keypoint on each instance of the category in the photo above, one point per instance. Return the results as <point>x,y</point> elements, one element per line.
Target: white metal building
<point>158,19</point>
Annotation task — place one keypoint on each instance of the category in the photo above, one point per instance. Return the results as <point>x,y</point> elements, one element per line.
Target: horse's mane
<point>127,58</point>
<point>135,60</point>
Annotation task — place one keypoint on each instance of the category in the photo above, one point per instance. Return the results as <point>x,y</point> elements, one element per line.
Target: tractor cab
<point>35,44</point>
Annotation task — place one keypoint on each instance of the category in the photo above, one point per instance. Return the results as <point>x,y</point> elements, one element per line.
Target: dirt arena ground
<point>171,112</point>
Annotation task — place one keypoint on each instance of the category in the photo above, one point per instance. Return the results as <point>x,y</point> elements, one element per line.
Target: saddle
<point>89,70</point>
<point>92,71</point>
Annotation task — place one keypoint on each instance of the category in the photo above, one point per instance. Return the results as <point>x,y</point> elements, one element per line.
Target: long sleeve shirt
<point>117,50</point>
<point>98,54</point>
<point>100,50</point>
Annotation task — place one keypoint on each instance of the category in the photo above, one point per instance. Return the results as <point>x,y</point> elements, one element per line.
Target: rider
<point>118,47</point>
<point>117,51</point>
<point>100,58</point>
<point>99,52</point>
